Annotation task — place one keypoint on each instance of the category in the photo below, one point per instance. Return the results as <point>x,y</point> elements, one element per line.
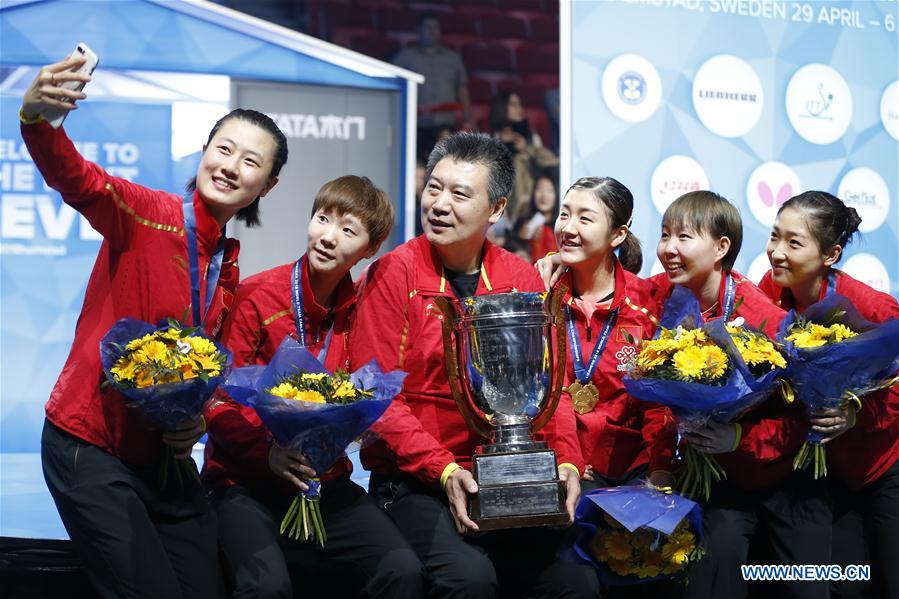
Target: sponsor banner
<point>47,249</point>
<point>758,102</point>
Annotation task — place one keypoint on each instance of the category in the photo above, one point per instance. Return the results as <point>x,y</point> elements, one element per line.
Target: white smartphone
<point>56,116</point>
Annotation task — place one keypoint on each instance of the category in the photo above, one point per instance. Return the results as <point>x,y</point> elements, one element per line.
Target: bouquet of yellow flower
<point>168,371</point>
<point>699,372</point>
<point>635,534</point>
<point>836,357</point>
<point>758,352</point>
<point>317,412</point>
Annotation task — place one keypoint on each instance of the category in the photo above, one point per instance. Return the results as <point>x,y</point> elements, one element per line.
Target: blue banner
<point>757,100</point>
<point>47,249</point>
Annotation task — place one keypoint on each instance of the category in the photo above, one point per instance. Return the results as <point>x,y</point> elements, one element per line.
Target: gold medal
<point>584,397</point>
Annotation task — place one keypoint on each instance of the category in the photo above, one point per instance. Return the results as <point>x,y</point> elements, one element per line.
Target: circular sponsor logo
<point>819,104</point>
<point>631,88</point>
<point>769,186</point>
<point>728,96</point>
<point>673,177</point>
<point>869,270</point>
<point>889,109</point>
<point>758,268</point>
<point>866,191</point>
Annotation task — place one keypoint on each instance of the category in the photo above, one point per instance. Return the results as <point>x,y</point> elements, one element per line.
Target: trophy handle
<point>452,373</point>
<point>554,306</point>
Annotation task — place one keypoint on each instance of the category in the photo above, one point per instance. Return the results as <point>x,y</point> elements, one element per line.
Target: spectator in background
<point>445,90</point>
<point>534,228</point>
<point>531,159</point>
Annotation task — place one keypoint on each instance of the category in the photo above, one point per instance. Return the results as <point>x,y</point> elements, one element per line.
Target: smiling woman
<point>162,257</point>
<point>251,478</point>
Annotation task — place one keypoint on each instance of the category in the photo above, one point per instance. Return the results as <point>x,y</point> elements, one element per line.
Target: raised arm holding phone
<point>135,538</point>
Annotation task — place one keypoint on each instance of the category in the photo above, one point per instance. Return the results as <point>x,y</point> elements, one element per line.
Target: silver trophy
<point>505,369</point>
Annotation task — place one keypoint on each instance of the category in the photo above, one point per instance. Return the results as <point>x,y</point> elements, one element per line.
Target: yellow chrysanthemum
<point>645,570</point>
<point>285,390</point>
<point>716,361</point>
<point>650,358</point>
<point>144,378</point>
<point>679,557</point>
<point>207,363</point>
<point>776,358</point>
<point>153,351</point>
<point>202,345</point>
<point>841,332</point>
<point>313,376</point>
<point>124,369</point>
<point>598,547</point>
<point>188,372</point>
<point>310,396</point>
<point>344,389</point>
<point>137,343</point>
<point>690,361</point>
<point>621,567</point>
<point>618,545</point>
<point>662,345</point>
<point>641,539</point>
<point>805,339</point>
<point>652,558</point>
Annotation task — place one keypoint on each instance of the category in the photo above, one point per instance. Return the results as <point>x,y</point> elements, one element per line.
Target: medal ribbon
<point>831,284</point>
<point>730,292</point>
<point>212,272</point>
<point>299,312</point>
<point>581,373</point>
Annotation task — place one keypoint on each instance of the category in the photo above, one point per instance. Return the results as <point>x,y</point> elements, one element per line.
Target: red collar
<point>208,230</point>
<point>431,279</point>
<point>620,286</point>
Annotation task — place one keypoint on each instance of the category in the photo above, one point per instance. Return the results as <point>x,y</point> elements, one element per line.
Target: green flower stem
<point>291,514</point>
<point>812,453</point>
<point>701,470</point>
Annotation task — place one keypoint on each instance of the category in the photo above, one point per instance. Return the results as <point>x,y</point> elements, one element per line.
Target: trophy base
<point>517,489</point>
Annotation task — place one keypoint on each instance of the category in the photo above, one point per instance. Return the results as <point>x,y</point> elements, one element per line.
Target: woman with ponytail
<point>806,242</point>
<point>608,308</point>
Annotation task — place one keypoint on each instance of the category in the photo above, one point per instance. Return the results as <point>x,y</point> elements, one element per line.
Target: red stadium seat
<point>487,56</point>
<point>537,60</point>
<point>375,45</point>
<point>545,29</point>
<point>501,27</point>
<point>459,25</point>
<point>481,90</point>
<point>396,19</point>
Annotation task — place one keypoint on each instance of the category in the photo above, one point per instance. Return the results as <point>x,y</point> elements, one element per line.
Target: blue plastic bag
<point>634,507</point>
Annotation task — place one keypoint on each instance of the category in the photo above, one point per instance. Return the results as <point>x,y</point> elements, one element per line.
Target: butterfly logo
<point>767,196</point>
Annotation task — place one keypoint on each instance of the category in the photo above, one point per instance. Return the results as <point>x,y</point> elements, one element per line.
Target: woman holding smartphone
<point>99,457</point>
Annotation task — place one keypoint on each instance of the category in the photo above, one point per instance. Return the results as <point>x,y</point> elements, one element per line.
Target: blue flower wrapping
<point>822,376</point>
<point>634,507</point>
<point>322,432</point>
<point>696,403</point>
<point>165,405</point>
